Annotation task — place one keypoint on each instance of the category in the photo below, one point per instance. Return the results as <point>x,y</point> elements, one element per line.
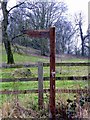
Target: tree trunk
<point>5,38</point>
<point>83,48</point>
<point>7,45</point>
<point>82,38</point>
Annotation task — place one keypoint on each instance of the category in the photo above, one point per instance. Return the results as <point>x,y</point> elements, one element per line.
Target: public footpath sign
<point>51,35</point>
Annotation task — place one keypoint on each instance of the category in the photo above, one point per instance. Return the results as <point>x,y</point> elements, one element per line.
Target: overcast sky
<point>74,6</point>
<point>77,5</point>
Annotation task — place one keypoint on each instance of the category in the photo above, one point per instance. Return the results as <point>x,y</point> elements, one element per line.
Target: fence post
<point>40,85</point>
<point>52,74</point>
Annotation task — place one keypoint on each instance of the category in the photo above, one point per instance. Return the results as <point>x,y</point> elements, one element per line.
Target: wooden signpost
<point>51,35</point>
<point>37,33</point>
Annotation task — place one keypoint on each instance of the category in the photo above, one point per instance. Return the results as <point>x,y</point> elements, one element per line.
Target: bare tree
<point>65,34</point>
<point>5,38</point>
<point>87,41</point>
<point>37,15</point>
<point>44,15</point>
<point>79,22</point>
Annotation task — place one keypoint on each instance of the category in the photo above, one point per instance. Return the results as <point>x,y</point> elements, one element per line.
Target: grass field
<point>32,58</point>
<point>60,71</point>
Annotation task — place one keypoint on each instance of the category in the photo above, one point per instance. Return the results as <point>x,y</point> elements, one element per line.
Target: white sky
<point>76,6</point>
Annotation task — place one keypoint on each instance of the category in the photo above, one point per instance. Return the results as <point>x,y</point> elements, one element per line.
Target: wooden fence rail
<point>44,91</point>
<point>3,65</point>
<point>69,64</point>
<point>45,78</point>
<point>40,80</point>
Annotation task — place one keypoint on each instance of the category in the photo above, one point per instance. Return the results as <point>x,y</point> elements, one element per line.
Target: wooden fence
<point>40,80</point>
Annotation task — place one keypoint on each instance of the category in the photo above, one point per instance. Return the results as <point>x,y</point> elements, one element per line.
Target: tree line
<point>38,15</point>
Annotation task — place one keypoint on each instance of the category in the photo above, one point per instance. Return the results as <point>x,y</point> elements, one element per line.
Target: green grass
<point>31,100</point>
<point>60,71</point>
<point>34,85</point>
<point>19,58</point>
<point>30,58</point>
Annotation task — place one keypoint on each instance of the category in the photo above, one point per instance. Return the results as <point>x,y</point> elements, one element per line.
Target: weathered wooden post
<point>52,74</point>
<point>40,85</point>
<point>47,34</point>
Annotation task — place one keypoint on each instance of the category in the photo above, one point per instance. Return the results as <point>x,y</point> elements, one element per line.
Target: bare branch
<point>86,36</point>
<point>87,46</point>
<point>17,36</point>
<point>16,6</point>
